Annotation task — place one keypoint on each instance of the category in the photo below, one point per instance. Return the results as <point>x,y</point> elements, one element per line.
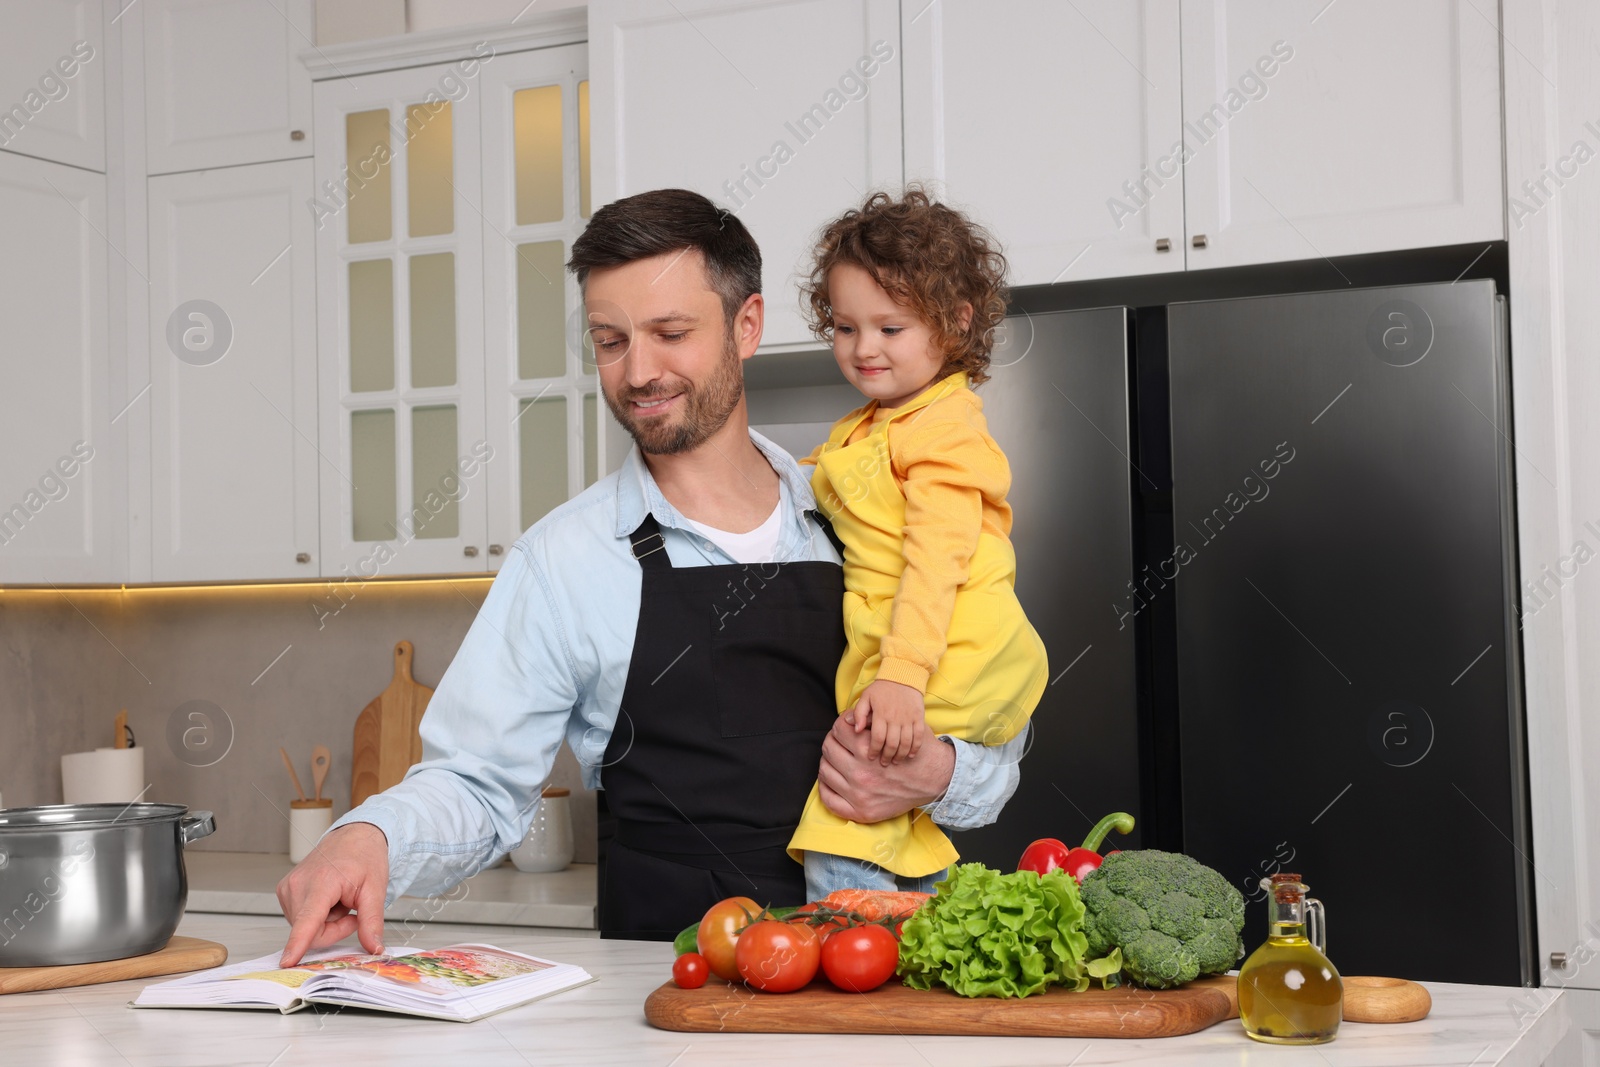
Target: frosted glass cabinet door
<point>785,112</point>
<point>399,232</point>
<point>1057,125</point>
<point>59,451</point>
<point>1323,129</point>
<point>224,84</point>
<point>233,363</point>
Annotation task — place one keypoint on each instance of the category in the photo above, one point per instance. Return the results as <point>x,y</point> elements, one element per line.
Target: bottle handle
<point>1317,924</point>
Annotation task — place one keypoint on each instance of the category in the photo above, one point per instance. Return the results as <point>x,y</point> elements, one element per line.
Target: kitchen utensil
<point>896,1009</point>
<point>120,730</point>
<point>104,776</point>
<point>320,758</point>
<point>92,882</point>
<point>308,821</point>
<point>180,954</point>
<point>1289,992</point>
<point>386,739</point>
<point>548,843</point>
<point>289,763</point>
<point>1385,1000</point>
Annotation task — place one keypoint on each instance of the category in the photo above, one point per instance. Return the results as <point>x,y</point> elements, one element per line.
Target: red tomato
<point>690,971</point>
<point>778,957</point>
<point>719,930</point>
<point>1043,856</point>
<point>860,958</point>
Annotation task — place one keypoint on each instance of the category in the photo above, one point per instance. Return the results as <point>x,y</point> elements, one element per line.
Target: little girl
<point>909,292</point>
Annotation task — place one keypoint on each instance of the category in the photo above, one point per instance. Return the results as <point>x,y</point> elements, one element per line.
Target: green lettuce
<point>987,934</point>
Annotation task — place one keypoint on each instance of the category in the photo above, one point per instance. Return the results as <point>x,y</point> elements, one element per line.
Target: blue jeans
<point>826,873</point>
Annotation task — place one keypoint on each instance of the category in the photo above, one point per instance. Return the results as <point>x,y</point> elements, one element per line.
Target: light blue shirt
<point>546,659</point>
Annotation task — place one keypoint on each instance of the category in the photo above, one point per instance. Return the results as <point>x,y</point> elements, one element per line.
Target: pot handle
<point>196,824</point>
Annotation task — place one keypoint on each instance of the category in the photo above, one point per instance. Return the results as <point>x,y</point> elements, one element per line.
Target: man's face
<point>669,366</point>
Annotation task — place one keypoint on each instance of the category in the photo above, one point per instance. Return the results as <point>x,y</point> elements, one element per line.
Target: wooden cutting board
<point>896,1009</point>
<point>180,954</point>
<point>386,738</point>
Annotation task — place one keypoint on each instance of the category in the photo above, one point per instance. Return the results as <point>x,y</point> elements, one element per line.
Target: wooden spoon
<point>121,727</point>
<point>320,759</point>
<point>289,763</point>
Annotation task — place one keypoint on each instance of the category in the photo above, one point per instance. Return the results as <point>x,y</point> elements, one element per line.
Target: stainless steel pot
<point>80,883</point>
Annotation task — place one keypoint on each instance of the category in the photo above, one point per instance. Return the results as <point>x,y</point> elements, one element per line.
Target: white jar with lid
<point>548,845</point>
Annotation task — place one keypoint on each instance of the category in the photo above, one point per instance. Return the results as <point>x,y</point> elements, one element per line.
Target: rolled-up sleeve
<point>489,739</point>
<point>984,778</point>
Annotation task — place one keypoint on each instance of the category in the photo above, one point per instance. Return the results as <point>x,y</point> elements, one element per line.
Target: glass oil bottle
<point>1289,994</point>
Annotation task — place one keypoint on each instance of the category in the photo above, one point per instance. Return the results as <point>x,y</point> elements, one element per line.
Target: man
<point>678,623</point>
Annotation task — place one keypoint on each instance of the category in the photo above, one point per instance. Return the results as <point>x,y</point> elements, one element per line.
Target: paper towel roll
<point>104,776</point>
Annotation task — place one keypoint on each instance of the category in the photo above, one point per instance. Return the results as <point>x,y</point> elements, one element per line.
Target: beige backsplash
<point>283,666</point>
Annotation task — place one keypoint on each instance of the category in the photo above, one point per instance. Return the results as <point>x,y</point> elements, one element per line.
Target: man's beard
<point>706,408</point>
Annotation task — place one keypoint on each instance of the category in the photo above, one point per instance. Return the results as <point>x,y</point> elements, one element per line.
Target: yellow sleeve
<point>948,464</point>
<point>811,460</point>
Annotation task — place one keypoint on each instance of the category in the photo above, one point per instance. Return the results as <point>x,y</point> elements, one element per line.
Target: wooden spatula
<point>320,758</point>
<point>386,739</point>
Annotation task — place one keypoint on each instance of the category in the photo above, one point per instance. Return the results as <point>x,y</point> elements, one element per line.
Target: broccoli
<point>1173,917</point>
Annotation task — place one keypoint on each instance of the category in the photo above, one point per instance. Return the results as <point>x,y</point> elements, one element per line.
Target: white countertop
<point>603,1023</point>
<point>243,883</point>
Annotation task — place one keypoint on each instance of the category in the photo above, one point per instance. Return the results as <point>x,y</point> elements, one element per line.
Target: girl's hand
<point>895,714</point>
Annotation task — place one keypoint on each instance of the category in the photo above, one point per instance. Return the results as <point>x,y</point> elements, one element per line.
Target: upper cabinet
<point>52,81</point>
<point>1321,129</point>
<point>785,112</point>
<point>1046,146</point>
<point>1125,137</point>
<point>233,362</point>
<point>59,453</point>
<point>223,82</point>
<point>455,404</point>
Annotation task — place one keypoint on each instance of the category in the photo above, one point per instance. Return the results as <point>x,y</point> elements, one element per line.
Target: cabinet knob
<point>1558,961</point>
<point>302,557</point>
<point>471,551</point>
<point>1199,240</point>
<point>297,135</point>
<point>495,550</point>
<point>1163,244</point>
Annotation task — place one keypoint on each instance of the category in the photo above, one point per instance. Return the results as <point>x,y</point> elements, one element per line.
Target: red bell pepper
<point>1048,854</point>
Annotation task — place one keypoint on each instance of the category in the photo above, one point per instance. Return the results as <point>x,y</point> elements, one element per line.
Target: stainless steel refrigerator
<point>1269,544</point>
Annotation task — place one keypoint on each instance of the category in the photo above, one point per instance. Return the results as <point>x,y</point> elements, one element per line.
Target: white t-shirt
<point>757,546</point>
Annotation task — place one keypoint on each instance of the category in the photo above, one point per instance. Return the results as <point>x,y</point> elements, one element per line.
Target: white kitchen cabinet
<point>541,401</point>
<point>785,112</point>
<point>399,223</point>
<point>1330,129</point>
<point>52,81</point>
<point>1056,125</point>
<point>60,455</point>
<point>224,84</point>
<point>233,379</point>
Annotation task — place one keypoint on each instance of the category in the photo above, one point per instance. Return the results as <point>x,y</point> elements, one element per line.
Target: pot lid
<point>86,816</point>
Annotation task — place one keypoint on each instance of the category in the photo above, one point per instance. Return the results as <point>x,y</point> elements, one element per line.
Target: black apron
<point>728,699</point>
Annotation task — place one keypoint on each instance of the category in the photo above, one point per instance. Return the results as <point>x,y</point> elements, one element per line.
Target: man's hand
<point>337,889</point>
<point>855,786</point>
<point>896,715</point>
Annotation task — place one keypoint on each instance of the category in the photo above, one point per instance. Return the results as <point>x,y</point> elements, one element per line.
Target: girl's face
<point>883,348</point>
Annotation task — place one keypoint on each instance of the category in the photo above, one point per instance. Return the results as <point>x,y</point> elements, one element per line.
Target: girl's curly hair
<point>928,257</point>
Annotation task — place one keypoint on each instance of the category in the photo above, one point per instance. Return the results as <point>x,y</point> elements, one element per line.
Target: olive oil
<point>1289,993</point>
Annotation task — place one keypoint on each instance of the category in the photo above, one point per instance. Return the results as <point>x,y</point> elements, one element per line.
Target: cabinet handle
<point>1163,244</point>
<point>470,551</point>
<point>302,557</point>
<point>1199,240</point>
<point>1558,961</point>
<point>297,135</point>
<point>495,550</point>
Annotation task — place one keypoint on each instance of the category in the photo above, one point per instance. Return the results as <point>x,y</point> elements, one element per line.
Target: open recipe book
<point>462,983</point>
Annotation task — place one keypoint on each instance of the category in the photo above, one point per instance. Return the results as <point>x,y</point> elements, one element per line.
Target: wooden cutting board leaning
<point>180,954</point>
<point>896,1009</point>
<point>386,738</point>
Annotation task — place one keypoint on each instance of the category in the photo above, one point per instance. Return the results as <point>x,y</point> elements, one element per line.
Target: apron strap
<point>827,528</point>
<point>649,547</point>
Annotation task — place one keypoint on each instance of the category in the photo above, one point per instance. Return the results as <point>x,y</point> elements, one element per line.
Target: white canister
<point>308,821</point>
<point>548,845</point>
